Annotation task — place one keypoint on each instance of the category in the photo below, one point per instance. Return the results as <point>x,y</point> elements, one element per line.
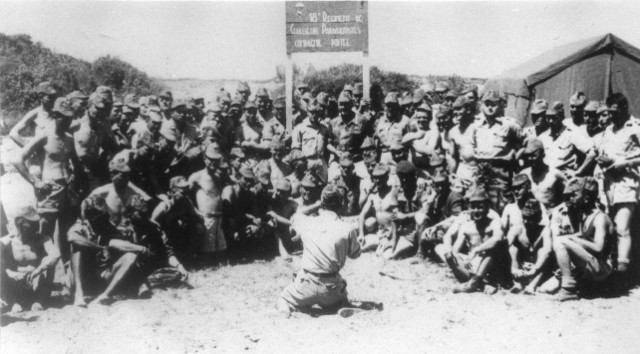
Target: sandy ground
<point>231,309</point>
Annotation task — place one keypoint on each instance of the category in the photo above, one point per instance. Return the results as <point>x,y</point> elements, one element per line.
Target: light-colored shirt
<point>498,139</point>
<point>327,240</point>
<point>562,151</point>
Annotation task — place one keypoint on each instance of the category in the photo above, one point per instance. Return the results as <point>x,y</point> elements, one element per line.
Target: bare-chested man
<point>460,156</point>
<point>208,184</point>
<point>546,183</point>
<point>52,191</point>
<point>481,237</point>
<point>39,116</point>
<point>27,261</point>
<point>120,190</point>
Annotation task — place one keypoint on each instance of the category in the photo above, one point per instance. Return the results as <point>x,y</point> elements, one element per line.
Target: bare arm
<point>52,257</point>
<point>126,246</point>
<point>367,206</point>
<point>17,129</point>
<point>78,240</point>
<point>494,240</point>
<point>26,152</point>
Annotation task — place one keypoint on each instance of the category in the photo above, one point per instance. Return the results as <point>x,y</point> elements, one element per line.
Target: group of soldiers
<point>131,193</point>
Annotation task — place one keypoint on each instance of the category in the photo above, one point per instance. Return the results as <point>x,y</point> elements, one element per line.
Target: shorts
<point>467,172</point>
<point>309,289</point>
<point>621,187</point>
<point>214,240</point>
<point>53,198</point>
<point>597,269</point>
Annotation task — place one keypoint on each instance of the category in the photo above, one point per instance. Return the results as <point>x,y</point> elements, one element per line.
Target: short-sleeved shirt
<point>562,152</point>
<point>327,240</point>
<point>621,186</point>
<point>431,143</point>
<point>311,140</point>
<point>348,136</point>
<point>497,140</point>
<point>389,131</point>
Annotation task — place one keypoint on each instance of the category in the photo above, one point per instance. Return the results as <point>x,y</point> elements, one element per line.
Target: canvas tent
<point>597,66</point>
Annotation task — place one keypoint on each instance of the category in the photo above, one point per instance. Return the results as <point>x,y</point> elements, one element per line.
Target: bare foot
<point>79,301</point>
<point>36,306</point>
<point>16,308</point>
<point>101,300</point>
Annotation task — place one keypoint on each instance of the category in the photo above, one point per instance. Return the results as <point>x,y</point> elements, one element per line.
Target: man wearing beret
<point>566,149</point>
<point>39,116</point>
<point>495,143</point>
<point>327,242</point>
<point>586,251</point>
<point>460,155</point>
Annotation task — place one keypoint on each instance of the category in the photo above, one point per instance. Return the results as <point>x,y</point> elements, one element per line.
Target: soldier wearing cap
<point>312,138</point>
<point>444,122</point>
<point>384,202</point>
<point>328,241</point>
<point>618,157</point>
<point>299,166</point>
<point>547,182</point>
<point>281,209</point>
<point>348,182</point>
<point>588,252</point>
<point>151,126</point>
<point>392,126</point>
<point>165,102</point>
<point>591,126</point>
<point>302,88</point>
<point>406,104</point>
<point>275,128</point>
<point>358,93</point>
<point>265,104</point>
<point>278,168</point>
<point>449,98</point>
<point>310,188</point>
<point>460,155</point>
<point>422,140</point>
<point>38,117</point>
<point>116,112</point>
<point>28,261</point>
<point>482,236</point>
<point>495,143</point>
<point>566,149</point>
<point>243,90</point>
<point>348,128</point>
<point>470,92</point>
<point>187,142</point>
<point>538,119</point>
<point>440,90</point>
<point>577,102</point>
<point>209,185</point>
<point>249,135</point>
<point>79,102</point>
<point>52,190</point>
<point>118,193</point>
<point>140,160</point>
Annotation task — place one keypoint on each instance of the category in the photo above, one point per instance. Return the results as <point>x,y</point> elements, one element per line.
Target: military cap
<point>346,160</point>
<point>478,195</point>
<point>429,87</point>
<point>236,102</point>
<point>117,103</point>
<point>539,106</point>
<point>436,160</point>
<point>97,100</point>
<point>451,94</point>
<point>461,101</point>
<point>224,96</point>
<point>178,182</point>
<point>323,99</point>
<point>77,95</point>
<point>166,94</point>
<point>119,163</point>
<point>213,151</point>
<point>358,89</point>
<point>214,107</point>
<point>418,95</point>
<point>405,167</point>
<point>367,144</point>
<point>380,170</point>
<point>127,109</point>
<point>592,106</point>
<point>250,105</point>
<point>168,133</point>
<point>491,96</point>
<point>296,155</point>
<point>46,88</point>
<point>262,92</point>
<point>441,87</point>
<point>578,99</point>
<point>310,181</point>
<point>443,111</point>
<point>243,87</point>
<point>263,175</point>
<point>424,107</point>
<point>314,106</point>
<point>283,185</point>
<point>602,108</point>
<point>556,108</point>
<point>330,197</point>
<point>27,212</point>
<point>151,100</point>
<point>178,103</point>
<point>143,101</point>
<point>130,101</point>
<point>469,88</point>
<point>406,100</point>
<point>303,85</point>
<point>440,178</point>
<point>391,98</point>
<point>345,97</point>
<point>62,106</point>
<point>199,100</point>
<point>237,152</point>
<point>348,88</point>
<point>533,146</point>
<point>246,172</point>
<point>105,92</point>
<point>588,184</point>
<point>519,180</point>
<point>209,129</point>
<point>279,102</point>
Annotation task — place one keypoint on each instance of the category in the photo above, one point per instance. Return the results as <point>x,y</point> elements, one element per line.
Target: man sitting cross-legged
<point>481,237</point>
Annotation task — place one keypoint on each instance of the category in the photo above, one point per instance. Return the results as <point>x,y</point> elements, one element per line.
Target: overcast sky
<point>212,40</point>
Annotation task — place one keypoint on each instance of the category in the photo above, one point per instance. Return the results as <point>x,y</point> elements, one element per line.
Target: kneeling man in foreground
<point>327,241</point>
